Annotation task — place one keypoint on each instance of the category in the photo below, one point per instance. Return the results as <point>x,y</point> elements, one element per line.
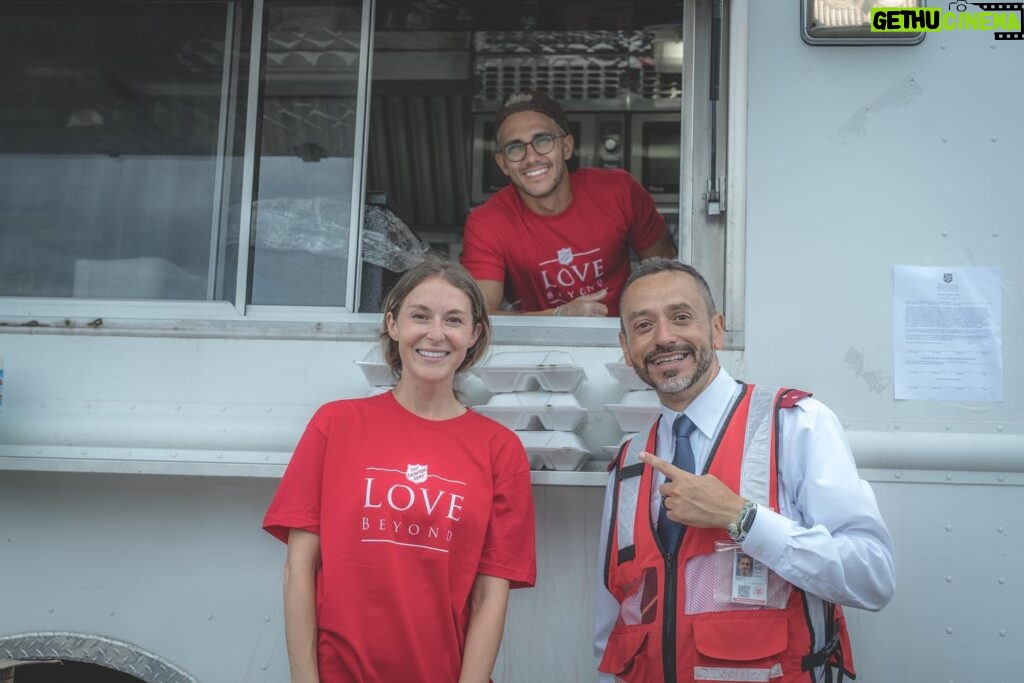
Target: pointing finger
<point>596,296</point>
<point>663,466</point>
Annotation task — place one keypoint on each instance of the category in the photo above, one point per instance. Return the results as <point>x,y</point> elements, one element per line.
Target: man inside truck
<point>555,242</point>
<point>728,470</point>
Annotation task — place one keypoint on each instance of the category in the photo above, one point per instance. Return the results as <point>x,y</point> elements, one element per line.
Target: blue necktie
<point>668,530</point>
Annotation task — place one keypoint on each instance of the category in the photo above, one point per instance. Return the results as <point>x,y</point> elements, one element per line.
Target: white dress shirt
<point>828,539</point>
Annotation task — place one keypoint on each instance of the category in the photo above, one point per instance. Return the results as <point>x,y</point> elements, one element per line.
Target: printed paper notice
<point>948,333</point>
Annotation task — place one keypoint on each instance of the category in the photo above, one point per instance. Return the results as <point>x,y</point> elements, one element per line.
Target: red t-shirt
<point>545,261</point>
<point>409,512</point>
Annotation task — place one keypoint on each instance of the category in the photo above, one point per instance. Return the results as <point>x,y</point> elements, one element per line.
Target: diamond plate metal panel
<point>112,654</point>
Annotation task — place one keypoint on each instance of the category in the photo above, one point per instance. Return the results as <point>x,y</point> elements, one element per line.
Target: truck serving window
<point>272,159</point>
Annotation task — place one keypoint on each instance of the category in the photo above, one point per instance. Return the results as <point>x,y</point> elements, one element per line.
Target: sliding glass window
<point>124,163</point>
<point>119,149</point>
<point>303,208</point>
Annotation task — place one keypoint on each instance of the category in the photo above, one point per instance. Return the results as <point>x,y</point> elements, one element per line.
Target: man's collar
<point>706,410</point>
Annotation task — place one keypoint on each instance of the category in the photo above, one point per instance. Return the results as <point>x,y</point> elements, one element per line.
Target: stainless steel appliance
<point>654,153</point>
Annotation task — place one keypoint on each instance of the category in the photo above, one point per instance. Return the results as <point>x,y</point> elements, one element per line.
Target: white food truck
<point>202,204</point>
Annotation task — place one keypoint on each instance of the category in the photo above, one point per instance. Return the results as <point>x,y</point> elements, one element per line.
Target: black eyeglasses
<point>542,143</point>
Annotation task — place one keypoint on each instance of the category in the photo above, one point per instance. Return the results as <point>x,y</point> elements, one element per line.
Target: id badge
<point>729,580</point>
<point>749,580</point>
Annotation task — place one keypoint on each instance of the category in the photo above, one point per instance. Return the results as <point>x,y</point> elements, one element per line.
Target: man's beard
<point>678,383</point>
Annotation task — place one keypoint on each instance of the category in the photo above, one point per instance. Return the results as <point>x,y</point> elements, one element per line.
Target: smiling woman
<point>412,499</point>
<point>435,321</point>
<point>434,330</point>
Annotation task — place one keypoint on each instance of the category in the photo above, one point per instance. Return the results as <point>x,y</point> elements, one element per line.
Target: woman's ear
<point>392,326</point>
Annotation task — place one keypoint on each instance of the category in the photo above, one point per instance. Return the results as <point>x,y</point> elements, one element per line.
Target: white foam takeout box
<point>559,411</point>
<point>636,410</point>
<point>376,371</point>
<point>554,450</point>
<point>530,371</point>
<point>626,376</point>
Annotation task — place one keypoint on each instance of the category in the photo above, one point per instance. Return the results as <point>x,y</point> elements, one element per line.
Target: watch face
<point>748,519</point>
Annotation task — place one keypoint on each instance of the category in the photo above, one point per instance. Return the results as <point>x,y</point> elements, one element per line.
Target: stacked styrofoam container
<point>377,372</point>
<point>637,408</point>
<point>532,394</point>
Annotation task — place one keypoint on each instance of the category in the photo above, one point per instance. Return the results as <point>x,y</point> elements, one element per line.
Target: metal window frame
<point>252,110</point>
<point>353,273</point>
<point>730,226</point>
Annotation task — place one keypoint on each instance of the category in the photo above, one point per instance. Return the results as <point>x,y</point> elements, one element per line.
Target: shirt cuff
<point>768,536</point>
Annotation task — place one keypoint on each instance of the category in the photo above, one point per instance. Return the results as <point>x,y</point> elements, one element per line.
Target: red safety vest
<point>677,622</point>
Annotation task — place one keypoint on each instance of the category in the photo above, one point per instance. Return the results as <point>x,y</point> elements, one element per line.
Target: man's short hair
<point>531,100</point>
<point>660,264</point>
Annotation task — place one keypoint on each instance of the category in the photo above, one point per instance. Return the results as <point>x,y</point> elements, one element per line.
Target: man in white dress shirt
<point>774,480</point>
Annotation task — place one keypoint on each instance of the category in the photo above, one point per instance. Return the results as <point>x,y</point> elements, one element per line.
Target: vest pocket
<point>709,584</point>
<point>626,655</point>
<point>640,604</point>
<point>739,649</point>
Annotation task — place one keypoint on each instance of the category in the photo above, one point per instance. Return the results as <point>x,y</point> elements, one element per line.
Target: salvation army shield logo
<point>417,474</point>
<point>947,277</point>
<point>565,256</point>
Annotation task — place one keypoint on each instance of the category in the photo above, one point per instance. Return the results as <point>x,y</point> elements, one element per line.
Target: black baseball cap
<point>531,100</point>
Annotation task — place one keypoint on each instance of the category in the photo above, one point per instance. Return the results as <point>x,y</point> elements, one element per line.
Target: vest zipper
<point>668,631</point>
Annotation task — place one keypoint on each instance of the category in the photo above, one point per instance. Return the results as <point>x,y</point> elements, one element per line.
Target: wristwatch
<point>738,530</point>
